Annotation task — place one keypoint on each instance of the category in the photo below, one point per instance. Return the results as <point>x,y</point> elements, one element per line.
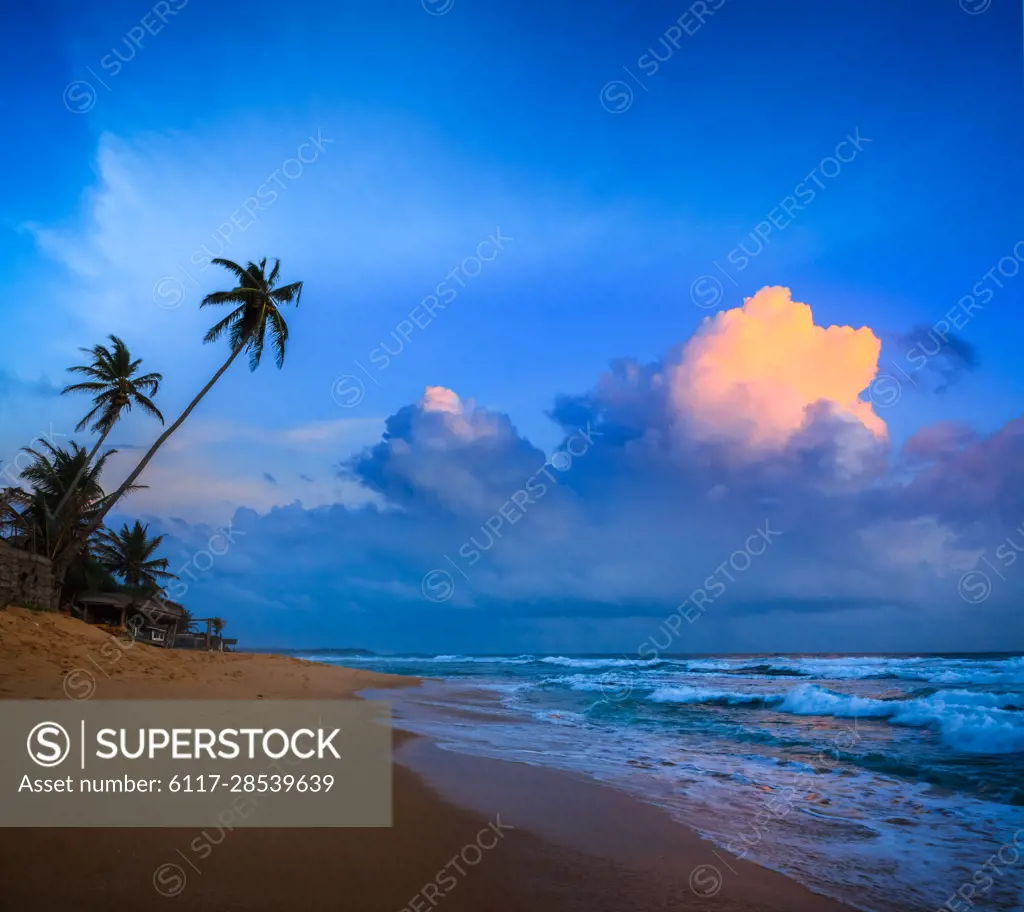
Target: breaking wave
<point>980,723</point>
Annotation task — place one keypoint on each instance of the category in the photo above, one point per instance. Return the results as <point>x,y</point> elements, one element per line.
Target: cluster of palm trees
<point>58,509</point>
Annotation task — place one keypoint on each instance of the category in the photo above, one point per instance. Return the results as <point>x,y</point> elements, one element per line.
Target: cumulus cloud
<point>754,373</point>
<point>939,441</point>
<point>755,515</point>
<point>440,399</point>
<point>445,453</point>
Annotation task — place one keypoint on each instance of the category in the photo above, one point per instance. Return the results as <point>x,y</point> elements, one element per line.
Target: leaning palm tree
<point>129,555</point>
<point>116,386</point>
<point>258,301</point>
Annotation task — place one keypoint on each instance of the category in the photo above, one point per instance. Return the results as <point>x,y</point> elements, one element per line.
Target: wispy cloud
<point>394,208</point>
<point>202,473</point>
<point>13,385</point>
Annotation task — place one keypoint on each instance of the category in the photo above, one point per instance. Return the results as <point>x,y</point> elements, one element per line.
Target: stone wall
<point>25,580</point>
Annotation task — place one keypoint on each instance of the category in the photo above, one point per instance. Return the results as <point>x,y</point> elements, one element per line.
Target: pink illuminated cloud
<point>752,373</point>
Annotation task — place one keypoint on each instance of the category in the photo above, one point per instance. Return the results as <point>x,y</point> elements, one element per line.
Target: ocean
<point>887,782</point>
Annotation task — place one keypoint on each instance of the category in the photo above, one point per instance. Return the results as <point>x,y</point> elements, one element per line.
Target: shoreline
<point>575,811</point>
<point>522,837</point>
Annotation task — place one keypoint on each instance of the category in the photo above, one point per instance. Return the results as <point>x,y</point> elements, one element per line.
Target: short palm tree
<point>218,625</point>
<point>258,301</point>
<point>9,513</point>
<point>129,555</point>
<point>57,476</point>
<point>116,385</point>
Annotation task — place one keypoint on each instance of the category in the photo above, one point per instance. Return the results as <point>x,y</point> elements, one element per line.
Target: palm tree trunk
<point>63,561</point>
<point>99,443</point>
<point>88,462</point>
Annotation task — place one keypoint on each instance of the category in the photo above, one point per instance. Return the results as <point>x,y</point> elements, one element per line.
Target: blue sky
<point>129,150</point>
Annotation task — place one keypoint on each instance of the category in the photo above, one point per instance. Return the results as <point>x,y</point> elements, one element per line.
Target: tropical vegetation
<point>59,506</point>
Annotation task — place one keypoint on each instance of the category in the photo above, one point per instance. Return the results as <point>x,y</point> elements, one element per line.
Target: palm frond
<point>288,293</point>
<point>279,336</point>
<point>218,329</point>
<point>235,296</point>
<point>128,553</point>
<point>230,265</point>
<point>101,415</point>
<point>90,387</point>
<point>149,382</point>
<point>256,342</point>
<point>89,371</point>
<point>146,404</point>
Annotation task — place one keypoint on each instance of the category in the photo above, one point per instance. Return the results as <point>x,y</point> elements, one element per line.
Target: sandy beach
<point>468,833</point>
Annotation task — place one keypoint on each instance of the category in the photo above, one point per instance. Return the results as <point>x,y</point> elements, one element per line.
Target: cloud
<point>944,355</point>
<point>13,385</point>
<point>754,373</point>
<point>651,501</point>
<point>393,184</point>
<point>444,453</point>
<point>939,441</point>
<point>209,469</point>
